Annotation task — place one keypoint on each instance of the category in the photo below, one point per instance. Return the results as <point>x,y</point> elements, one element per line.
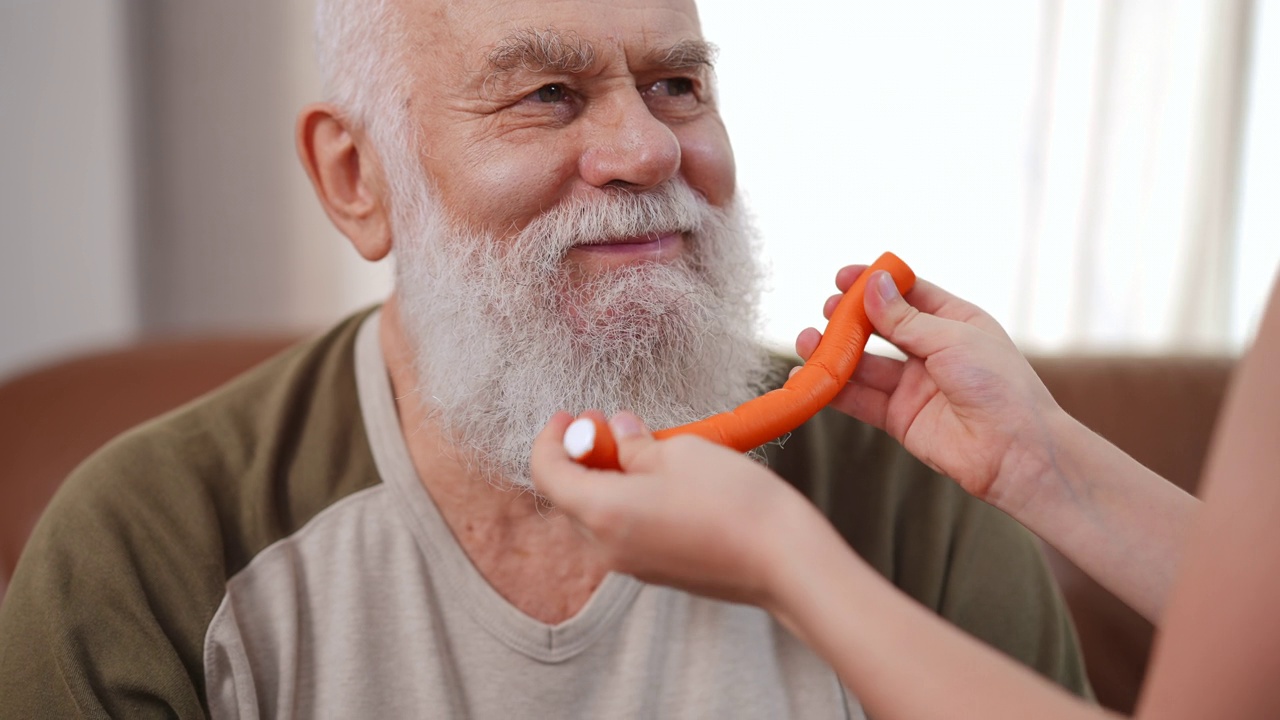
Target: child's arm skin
<point>967,403</point>
<point>972,409</point>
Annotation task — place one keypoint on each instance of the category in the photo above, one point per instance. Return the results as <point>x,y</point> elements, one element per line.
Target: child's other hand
<point>684,512</point>
<point>965,401</point>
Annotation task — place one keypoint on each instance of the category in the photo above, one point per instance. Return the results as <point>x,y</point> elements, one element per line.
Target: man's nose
<point>629,147</point>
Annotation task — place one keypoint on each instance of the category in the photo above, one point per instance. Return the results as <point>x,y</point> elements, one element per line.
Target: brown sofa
<point>1161,410</point>
<point>54,417</point>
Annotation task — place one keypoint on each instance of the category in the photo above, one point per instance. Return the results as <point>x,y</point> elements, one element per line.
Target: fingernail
<point>794,370</point>
<point>625,425</point>
<point>885,286</point>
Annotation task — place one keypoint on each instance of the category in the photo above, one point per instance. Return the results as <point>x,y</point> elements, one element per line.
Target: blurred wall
<point>233,237</point>
<point>67,198</point>
<point>150,181</point>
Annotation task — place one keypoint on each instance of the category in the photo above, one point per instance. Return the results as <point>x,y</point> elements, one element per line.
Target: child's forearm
<point>1123,524</point>
<point>901,660</point>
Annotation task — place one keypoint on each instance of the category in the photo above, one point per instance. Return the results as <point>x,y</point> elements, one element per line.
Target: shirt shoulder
<point>263,454</point>
<point>127,566</point>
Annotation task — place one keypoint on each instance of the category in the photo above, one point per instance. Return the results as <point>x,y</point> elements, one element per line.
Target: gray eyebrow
<point>685,54</point>
<point>541,51</point>
<point>551,50</point>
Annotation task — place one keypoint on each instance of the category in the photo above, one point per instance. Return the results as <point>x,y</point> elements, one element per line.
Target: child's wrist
<point>1039,483</point>
<point>799,545</point>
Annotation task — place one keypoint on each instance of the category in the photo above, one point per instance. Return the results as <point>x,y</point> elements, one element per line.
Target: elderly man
<point>347,531</point>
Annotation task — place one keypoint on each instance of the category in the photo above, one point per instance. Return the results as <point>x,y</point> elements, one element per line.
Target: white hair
<point>360,48</point>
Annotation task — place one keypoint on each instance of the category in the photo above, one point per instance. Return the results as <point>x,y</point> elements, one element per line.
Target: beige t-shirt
<point>267,550</point>
<point>372,609</point>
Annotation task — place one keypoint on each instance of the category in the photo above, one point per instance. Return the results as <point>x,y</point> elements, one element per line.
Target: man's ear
<point>347,178</point>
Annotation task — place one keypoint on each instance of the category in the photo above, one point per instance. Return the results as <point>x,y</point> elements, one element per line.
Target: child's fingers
<point>829,307</point>
<point>912,329</point>
<point>848,275</point>
<point>874,371</point>
<point>874,380</point>
<point>633,439</point>
<point>556,476</point>
<point>806,342</point>
<point>864,403</point>
<point>932,299</point>
<point>878,373</point>
<point>926,297</point>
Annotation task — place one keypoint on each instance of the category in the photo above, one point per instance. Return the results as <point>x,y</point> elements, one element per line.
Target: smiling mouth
<point>653,243</point>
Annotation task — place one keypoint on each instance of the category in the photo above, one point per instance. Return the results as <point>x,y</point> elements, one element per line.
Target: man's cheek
<point>505,192</point>
<point>707,163</point>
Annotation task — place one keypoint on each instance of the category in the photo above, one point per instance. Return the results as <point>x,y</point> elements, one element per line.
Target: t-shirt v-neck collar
<point>447,563</point>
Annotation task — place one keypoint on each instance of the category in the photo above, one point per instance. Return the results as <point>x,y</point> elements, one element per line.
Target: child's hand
<point>966,402</point>
<point>684,512</point>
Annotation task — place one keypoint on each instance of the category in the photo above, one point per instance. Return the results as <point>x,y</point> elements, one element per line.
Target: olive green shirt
<point>268,551</point>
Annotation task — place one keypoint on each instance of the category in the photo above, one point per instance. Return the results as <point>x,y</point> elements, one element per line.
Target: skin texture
<point>501,146</point>
<point>697,516</point>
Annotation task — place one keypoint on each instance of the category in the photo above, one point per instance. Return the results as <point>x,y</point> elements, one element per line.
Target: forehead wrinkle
<point>541,51</point>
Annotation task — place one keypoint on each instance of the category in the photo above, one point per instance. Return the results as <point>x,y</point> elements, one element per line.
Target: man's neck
<point>531,555</point>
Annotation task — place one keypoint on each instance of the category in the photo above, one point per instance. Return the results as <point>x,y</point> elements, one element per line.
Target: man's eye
<point>672,87</point>
<point>553,93</point>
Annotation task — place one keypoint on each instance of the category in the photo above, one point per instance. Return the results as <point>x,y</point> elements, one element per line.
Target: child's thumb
<point>897,321</point>
<point>632,438</point>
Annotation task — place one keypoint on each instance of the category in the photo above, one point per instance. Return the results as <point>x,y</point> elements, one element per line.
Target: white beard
<point>504,337</point>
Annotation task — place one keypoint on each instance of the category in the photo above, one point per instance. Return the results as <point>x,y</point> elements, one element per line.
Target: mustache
<point>671,207</point>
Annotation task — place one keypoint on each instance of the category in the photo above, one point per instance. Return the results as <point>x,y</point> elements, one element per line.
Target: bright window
<point>978,140</point>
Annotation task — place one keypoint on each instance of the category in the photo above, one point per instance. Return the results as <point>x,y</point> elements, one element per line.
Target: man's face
<point>566,237</point>
<point>523,104</point>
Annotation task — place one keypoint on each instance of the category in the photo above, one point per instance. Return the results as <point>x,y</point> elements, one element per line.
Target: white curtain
<point>1257,259</point>
<point>1073,166</point>
<point>1130,235</point>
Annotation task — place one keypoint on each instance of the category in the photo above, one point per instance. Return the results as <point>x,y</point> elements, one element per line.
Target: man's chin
<point>632,326</point>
